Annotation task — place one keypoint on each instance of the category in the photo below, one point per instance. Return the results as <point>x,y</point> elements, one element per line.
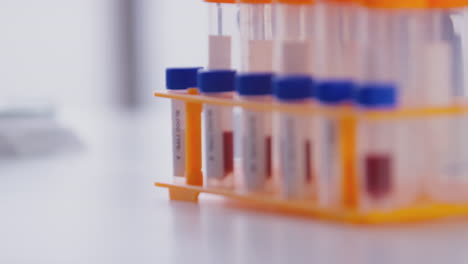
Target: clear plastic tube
<point>335,148</point>
<point>219,143</point>
<point>380,66</point>
<point>256,133</point>
<point>353,26</point>
<point>295,40</point>
<point>222,24</point>
<point>256,33</point>
<point>329,163</point>
<point>218,129</point>
<point>377,165</point>
<point>294,136</point>
<point>448,168</point>
<point>384,184</point>
<point>178,81</point>
<point>178,135</point>
<point>296,150</point>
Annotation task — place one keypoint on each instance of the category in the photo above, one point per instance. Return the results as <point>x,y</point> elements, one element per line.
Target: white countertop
<point>100,206</point>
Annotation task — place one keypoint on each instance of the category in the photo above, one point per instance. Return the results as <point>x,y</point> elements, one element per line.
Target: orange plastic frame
<point>349,214</point>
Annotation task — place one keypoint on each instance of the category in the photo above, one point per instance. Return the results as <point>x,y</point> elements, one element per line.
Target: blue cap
<point>216,81</point>
<point>335,92</point>
<point>181,78</point>
<point>377,95</point>
<point>254,84</point>
<point>295,87</point>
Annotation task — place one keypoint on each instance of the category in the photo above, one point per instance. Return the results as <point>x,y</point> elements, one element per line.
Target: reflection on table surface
<point>100,206</point>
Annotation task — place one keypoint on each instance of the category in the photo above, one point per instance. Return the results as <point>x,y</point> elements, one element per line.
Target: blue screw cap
<point>377,95</point>
<point>335,92</point>
<point>251,84</point>
<point>216,81</point>
<point>290,88</point>
<point>181,78</point>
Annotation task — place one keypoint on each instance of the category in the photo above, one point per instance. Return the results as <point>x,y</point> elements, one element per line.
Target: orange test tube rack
<point>423,210</point>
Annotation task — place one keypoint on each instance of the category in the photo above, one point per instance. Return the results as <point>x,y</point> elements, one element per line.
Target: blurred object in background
<point>172,33</point>
<point>30,129</point>
<point>101,53</point>
<point>63,51</point>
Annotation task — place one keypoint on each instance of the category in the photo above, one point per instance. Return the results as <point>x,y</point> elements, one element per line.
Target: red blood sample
<point>268,157</point>
<point>378,175</point>
<point>228,147</point>
<point>308,156</point>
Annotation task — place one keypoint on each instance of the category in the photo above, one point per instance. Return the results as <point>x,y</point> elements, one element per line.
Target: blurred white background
<point>76,52</point>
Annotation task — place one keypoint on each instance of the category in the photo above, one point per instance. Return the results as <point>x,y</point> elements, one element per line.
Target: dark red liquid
<point>378,175</point>
<point>228,146</point>
<point>308,155</point>
<point>268,157</point>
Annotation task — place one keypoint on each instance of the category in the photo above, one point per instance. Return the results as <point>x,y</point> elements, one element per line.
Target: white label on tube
<point>254,150</point>
<point>178,137</point>
<point>260,56</point>
<point>213,142</point>
<point>438,68</point>
<point>328,160</point>
<point>291,151</point>
<point>219,52</point>
<point>296,57</point>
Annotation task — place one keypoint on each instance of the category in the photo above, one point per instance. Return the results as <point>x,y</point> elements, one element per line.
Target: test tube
<point>256,132</point>
<point>178,80</point>
<point>332,63</point>
<point>448,167</point>
<point>295,34</point>
<point>295,137</point>
<point>222,19</point>
<point>256,34</point>
<point>396,37</point>
<point>377,151</point>
<point>218,128</point>
<point>336,147</point>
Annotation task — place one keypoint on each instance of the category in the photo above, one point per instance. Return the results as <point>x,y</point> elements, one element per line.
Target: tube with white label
<point>218,128</point>
<point>295,37</point>
<point>222,17</point>
<point>256,34</point>
<point>178,80</point>
<point>335,146</point>
<point>256,132</point>
<point>295,138</point>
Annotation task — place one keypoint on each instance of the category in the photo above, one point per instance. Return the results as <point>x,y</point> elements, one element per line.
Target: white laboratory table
<point>100,206</point>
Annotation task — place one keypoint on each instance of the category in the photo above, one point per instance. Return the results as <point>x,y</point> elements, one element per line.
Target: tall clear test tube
<point>295,37</point>
<point>352,41</point>
<point>178,80</point>
<point>331,64</point>
<point>335,146</point>
<point>380,186</point>
<point>256,35</point>
<point>396,35</point>
<point>222,20</point>
<point>296,173</point>
<point>256,132</point>
<point>445,86</point>
<point>218,128</point>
